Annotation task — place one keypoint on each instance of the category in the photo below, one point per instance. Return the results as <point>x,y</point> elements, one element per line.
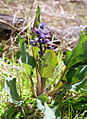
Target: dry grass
<point>56,13</point>
<point>64,18</point>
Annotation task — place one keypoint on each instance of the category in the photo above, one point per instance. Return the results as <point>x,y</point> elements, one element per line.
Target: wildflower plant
<point>44,62</point>
<point>73,77</point>
<point>45,51</point>
<point>44,58</point>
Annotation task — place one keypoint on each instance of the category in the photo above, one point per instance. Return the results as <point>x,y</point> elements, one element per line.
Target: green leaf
<point>18,115</point>
<point>28,59</point>
<point>49,113</point>
<point>62,93</point>
<point>48,65</point>
<point>57,112</point>
<point>39,105</point>
<point>21,42</point>
<point>28,68</point>
<point>37,18</point>
<point>43,98</point>
<point>36,21</point>
<point>78,56</point>
<point>77,77</point>
<point>24,57</point>
<point>81,85</point>
<point>18,54</point>
<point>31,61</point>
<point>76,74</point>
<point>76,61</point>
<point>10,88</point>
<point>35,52</point>
<point>23,54</point>
<point>1,48</point>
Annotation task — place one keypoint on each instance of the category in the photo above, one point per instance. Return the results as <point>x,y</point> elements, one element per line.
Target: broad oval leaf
<point>77,77</point>
<point>81,85</point>
<point>78,55</point>
<point>39,105</point>
<point>77,74</point>
<point>49,113</point>
<point>48,65</point>
<point>28,68</point>
<point>10,88</point>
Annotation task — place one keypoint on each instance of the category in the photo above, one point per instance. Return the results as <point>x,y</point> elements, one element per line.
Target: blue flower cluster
<point>42,38</point>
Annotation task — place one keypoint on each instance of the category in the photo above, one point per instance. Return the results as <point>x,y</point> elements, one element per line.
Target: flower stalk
<point>40,40</point>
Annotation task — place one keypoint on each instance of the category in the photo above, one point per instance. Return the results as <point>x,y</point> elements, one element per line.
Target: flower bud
<point>31,41</point>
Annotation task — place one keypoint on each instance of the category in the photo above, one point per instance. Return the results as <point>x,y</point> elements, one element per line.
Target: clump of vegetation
<point>57,88</point>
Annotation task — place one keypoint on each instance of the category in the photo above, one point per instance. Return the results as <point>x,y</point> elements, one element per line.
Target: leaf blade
<point>78,54</point>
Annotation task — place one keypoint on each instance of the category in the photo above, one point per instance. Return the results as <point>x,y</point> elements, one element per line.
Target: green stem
<point>38,78</point>
<point>38,82</point>
<point>43,82</point>
<point>32,87</point>
<point>57,84</point>
<point>54,91</point>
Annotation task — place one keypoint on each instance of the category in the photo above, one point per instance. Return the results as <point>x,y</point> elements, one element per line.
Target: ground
<point>64,18</point>
<point>59,14</point>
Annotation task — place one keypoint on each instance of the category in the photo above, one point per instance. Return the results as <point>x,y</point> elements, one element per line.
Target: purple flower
<point>42,39</point>
<point>35,29</point>
<point>36,40</point>
<point>42,25</point>
<point>46,40</point>
<point>49,47</point>
<point>47,35</point>
<point>42,35</point>
<point>38,32</point>
<point>31,41</point>
<point>52,48</point>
